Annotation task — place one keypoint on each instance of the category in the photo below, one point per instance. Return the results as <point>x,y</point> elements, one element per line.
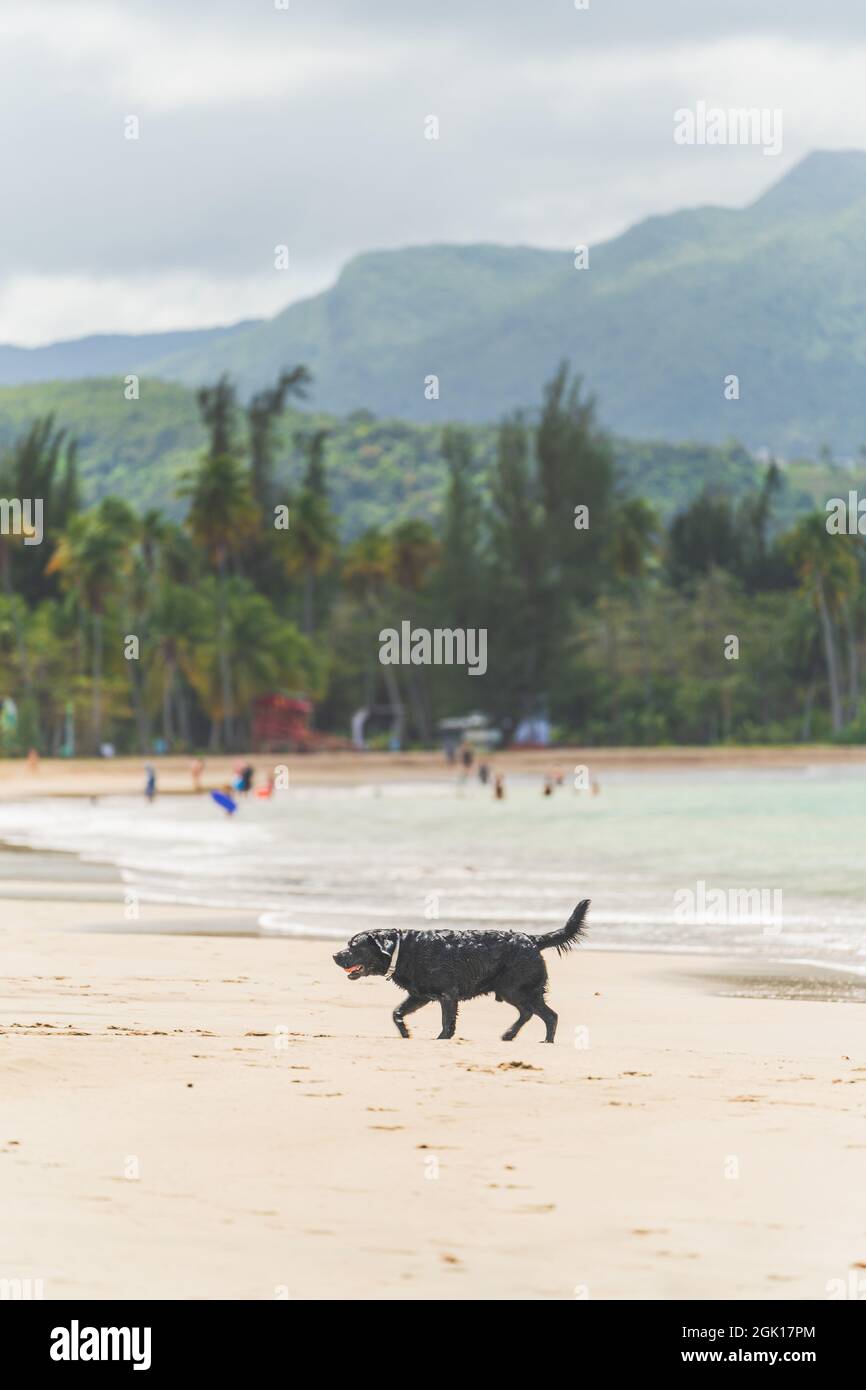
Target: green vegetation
<point>257,549</point>
<point>379,471</point>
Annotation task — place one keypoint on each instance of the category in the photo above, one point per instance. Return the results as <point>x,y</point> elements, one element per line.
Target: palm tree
<point>262,412</point>
<point>217,406</point>
<point>312,544</point>
<point>89,558</point>
<point>270,653</point>
<point>178,616</point>
<point>221,514</point>
<point>634,538</point>
<point>829,575</point>
<point>368,568</point>
<point>416,551</point>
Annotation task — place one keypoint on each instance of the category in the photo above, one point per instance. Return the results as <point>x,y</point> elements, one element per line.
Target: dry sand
<point>283,1141</point>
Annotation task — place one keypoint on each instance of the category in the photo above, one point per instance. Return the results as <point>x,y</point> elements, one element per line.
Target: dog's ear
<point>386,941</point>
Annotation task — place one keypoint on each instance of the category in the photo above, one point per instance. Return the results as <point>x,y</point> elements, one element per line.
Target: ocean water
<point>753,863</point>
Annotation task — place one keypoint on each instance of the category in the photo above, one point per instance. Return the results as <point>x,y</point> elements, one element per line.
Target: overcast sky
<point>305,127</point>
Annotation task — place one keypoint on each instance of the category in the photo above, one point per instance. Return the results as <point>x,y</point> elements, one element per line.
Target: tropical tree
<point>218,409</point>
<point>829,577</point>
<point>266,652</point>
<point>264,409</point>
<point>90,558</point>
<point>311,545</point>
<point>221,515</point>
<point>368,570</point>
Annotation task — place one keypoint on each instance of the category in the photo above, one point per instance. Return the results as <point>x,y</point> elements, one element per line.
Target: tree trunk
<point>853,664</point>
<point>396,705</point>
<point>141,720</point>
<point>831,658</point>
<point>225,668</point>
<point>308,616</point>
<point>96,691</point>
<point>167,690</point>
<point>807,713</point>
<point>419,709</point>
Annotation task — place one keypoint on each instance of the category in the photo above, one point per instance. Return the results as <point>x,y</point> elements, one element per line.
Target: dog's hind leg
<point>409,1005</point>
<point>547,1016</point>
<point>523,1016</point>
<point>449,1018</point>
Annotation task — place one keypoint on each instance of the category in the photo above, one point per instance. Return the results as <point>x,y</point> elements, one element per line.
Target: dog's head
<point>368,953</point>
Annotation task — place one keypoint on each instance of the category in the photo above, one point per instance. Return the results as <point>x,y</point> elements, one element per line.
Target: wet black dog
<point>452,965</point>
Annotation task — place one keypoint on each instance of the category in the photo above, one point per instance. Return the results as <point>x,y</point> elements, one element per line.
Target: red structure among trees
<point>280,721</point>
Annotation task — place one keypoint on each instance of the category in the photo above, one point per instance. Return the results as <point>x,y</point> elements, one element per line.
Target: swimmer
<point>225,799</point>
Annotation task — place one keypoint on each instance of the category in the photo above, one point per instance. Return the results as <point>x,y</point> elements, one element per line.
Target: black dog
<point>454,965</point>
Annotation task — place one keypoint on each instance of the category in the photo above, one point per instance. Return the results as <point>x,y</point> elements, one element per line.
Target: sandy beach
<point>125,775</point>
<point>218,1116</point>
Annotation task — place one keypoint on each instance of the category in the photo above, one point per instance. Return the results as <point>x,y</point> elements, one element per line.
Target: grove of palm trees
<point>133,628</point>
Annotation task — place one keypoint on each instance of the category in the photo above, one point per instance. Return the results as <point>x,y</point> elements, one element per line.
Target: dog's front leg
<point>408,1006</point>
<point>449,1018</point>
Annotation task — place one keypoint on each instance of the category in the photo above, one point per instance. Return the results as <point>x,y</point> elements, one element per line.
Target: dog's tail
<point>564,938</point>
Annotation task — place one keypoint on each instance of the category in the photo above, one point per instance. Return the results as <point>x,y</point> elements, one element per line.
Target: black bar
<point>245,1338</point>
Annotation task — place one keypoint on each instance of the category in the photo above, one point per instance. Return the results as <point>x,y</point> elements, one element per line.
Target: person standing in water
<point>150,782</point>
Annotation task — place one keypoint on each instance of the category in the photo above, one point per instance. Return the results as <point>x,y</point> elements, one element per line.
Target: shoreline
<point>675,1142</point>
<point>125,775</point>
<point>100,883</point>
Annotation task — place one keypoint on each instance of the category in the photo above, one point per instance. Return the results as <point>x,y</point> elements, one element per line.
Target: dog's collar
<point>392,963</point>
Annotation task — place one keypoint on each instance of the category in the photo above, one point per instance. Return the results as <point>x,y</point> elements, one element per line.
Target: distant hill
<point>379,471</point>
<point>103,354</point>
<point>774,293</point>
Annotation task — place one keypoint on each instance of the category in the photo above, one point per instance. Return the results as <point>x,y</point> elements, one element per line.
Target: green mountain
<point>774,293</point>
<point>102,354</point>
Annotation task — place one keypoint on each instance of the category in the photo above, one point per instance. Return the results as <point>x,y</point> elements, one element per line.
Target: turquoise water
<point>329,862</point>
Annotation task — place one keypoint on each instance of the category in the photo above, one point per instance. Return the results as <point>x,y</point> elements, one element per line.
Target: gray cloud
<point>306,127</point>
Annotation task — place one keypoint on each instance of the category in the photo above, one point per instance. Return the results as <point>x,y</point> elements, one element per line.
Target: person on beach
<point>150,781</point>
<point>467,758</point>
<point>268,789</point>
<point>499,787</point>
<point>224,798</point>
<point>196,768</point>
